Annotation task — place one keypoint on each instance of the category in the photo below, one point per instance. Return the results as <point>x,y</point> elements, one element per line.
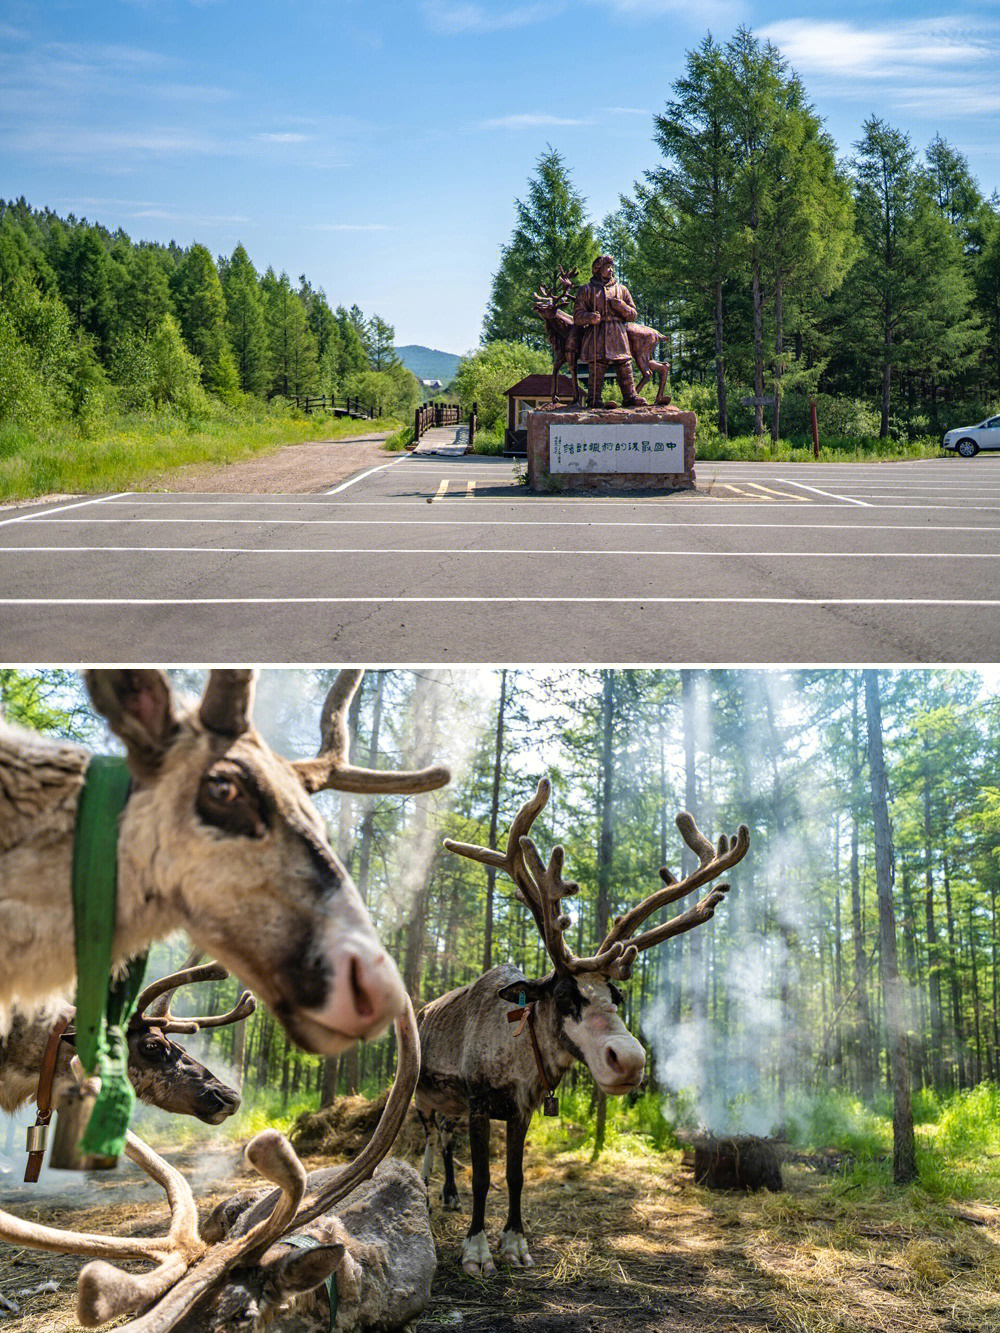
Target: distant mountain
<point>427,363</point>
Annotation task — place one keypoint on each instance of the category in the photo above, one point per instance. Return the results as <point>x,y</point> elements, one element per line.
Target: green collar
<point>103,1006</point>
<point>301,1242</point>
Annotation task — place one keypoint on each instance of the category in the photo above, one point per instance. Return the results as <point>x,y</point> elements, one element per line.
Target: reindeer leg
<point>662,397</point>
<point>476,1257</point>
<point>449,1190</point>
<point>430,1133</point>
<point>513,1246</point>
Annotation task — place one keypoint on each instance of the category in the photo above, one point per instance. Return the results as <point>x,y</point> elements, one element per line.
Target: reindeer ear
<point>531,990</point>
<point>304,1270</point>
<point>139,709</point>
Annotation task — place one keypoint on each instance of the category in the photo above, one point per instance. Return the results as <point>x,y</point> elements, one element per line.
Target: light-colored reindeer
<point>476,1065</point>
<point>219,837</point>
<point>242,1269</point>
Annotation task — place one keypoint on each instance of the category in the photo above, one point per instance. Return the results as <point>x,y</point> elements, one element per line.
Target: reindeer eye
<point>617,998</point>
<point>232,802</point>
<point>222,789</point>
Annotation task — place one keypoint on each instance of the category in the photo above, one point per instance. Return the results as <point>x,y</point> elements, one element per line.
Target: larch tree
<point>245,321</point>
<point>551,229</point>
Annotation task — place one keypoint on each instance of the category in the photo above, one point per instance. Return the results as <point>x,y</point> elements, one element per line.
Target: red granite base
<point>540,478</point>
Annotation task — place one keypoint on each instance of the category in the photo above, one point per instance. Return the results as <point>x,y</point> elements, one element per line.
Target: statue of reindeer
<point>563,336</point>
<point>559,327</point>
<point>162,1073</point>
<point>261,1261</point>
<point>476,1064</point>
<point>217,836</point>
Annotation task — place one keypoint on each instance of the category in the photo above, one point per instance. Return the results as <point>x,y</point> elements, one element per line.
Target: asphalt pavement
<point>438,559</point>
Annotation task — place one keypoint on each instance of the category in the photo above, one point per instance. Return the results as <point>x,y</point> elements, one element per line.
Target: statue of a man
<point>603,308</point>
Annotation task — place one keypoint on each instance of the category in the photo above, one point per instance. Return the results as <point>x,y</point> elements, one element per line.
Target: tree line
<point>780,270</point>
<point>92,322</point>
<point>789,991</point>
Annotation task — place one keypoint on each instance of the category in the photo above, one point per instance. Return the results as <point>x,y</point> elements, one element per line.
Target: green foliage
<point>551,229</point>
<point>395,390</point>
<point>398,440</point>
<point>485,375</point>
<point>201,308</point>
<point>176,373</point>
<point>245,321</point>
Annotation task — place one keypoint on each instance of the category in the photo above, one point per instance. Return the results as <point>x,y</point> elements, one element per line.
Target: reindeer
<point>218,836</point>
<point>559,328</point>
<point>259,1261</point>
<point>475,1064</point>
<point>563,339</point>
<point>162,1073</point>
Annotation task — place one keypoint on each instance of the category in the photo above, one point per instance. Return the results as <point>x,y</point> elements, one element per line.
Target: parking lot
<point>452,559</point>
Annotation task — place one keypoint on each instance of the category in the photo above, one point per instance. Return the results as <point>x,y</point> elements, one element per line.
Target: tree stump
<point>743,1163</point>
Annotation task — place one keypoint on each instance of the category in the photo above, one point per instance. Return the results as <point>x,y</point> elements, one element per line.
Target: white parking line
<point>832,495</point>
<point>59,509</point>
<point>361,476</point>
<point>726,523</point>
<point>503,598</point>
<point>695,552</point>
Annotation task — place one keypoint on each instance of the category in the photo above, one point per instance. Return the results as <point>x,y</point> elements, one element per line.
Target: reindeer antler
<point>165,1021</point>
<point>187,1265</point>
<point>540,886</point>
<point>713,860</point>
<point>331,770</point>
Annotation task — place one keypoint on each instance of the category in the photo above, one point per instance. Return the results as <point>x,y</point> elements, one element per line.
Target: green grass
<point>133,452</point>
<point>488,442</point>
<point>745,448</point>
<point>399,439</point>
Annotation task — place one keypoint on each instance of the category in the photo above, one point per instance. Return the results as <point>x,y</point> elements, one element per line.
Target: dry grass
<point>630,1244</point>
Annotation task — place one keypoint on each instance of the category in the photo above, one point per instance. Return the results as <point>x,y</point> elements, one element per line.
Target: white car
<point>968,440</point>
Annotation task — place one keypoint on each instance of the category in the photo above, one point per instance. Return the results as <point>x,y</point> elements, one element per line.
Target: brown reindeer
<point>476,1064</point>
<point>162,1073</point>
<point>243,1268</point>
<point>219,837</point>
<point>563,338</point>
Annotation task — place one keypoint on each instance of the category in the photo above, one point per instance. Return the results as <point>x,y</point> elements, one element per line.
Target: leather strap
<point>43,1097</point>
<point>525,1013</point>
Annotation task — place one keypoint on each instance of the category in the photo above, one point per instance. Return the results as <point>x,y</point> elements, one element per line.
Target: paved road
<point>450,559</point>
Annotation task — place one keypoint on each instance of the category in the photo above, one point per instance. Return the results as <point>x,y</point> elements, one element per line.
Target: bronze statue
<point>604,317</point>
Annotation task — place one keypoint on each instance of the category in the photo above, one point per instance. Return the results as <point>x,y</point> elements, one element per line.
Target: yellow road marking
<point>470,490</point>
<point>746,494</point>
<point>782,495</point>
<point>439,493</point>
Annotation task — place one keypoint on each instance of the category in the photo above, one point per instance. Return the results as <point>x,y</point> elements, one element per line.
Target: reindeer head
<point>163,1073</point>
<point>220,834</point>
<point>582,990</point>
<point>199,1272</point>
<point>546,302</point>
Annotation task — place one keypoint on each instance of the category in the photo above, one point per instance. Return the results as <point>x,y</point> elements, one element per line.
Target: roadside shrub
<point>485,375</point>
<point>970,1120</point>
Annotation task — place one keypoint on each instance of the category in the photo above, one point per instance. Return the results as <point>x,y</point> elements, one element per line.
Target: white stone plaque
<point>642,447</point>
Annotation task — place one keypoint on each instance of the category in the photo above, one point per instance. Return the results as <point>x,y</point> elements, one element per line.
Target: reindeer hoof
<point>476,1258</point>
<point>514,1250</point>
<point>450,1202</point>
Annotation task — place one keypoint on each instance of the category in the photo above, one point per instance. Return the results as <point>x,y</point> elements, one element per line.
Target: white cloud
<point>844,49</point>
<point>627,111</point>
<point>285,137</point>
<point>706,13</point>
<point>458,16</point>
<point>529,120</point>
<point>200,218</point>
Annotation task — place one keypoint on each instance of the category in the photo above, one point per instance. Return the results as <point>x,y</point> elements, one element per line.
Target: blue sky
<point>378,146</point>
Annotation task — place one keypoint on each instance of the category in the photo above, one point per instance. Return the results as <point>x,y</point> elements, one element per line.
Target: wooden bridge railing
<point>346,407</point>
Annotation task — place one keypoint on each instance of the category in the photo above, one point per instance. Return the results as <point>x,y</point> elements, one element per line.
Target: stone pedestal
<point>611,449</point>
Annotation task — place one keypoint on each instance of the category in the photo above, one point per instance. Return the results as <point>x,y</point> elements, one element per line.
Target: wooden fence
<point>346,407</point>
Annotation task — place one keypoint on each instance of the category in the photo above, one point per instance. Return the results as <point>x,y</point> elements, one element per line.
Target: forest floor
<point>631,1245</point>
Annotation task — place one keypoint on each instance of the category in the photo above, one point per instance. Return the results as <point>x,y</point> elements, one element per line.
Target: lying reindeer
<point>476,1064</point>
<point>218,836</point>
<point>259,1262</point>
<point>162,1073</point>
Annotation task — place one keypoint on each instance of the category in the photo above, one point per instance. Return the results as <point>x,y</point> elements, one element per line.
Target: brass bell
<point>37,1138</point>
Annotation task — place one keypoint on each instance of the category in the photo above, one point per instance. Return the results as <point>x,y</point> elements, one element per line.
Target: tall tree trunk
<point>904,1162</point>
<point>779,366</point>
<point>933,949</point>
<point>866,1072</point>
<point>758,337</point>
<point>913,973</point>
<point>605,778</point>
<point>720,358</point>
<point>953,980</point>
<point>491,873</point>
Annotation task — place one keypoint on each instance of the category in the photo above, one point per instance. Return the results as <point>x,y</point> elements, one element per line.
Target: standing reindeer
<point>563,338</point>
<point>162,1073</point>
<point>218,836</point>
<point>475,1064</point>
<point>258,1261</point>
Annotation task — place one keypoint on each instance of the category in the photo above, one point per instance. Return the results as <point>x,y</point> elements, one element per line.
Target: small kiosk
<point>524,397</point>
